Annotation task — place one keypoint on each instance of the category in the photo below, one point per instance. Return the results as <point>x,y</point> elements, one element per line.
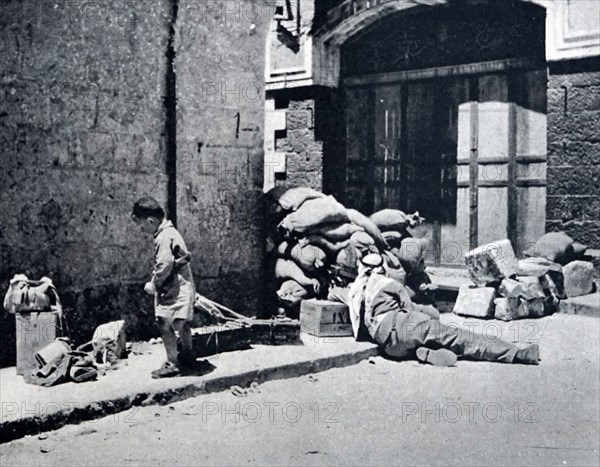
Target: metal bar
<point>440,72</point>
<point>512,196</point>
<point>473,177</point>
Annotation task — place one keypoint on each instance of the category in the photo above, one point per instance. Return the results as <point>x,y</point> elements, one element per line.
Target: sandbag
<point>363,242</point>
<point>394,219</point>
<point>329,247</point>
<point>286,269</point>
<point>273,195</point>
<point>370,228</point>
<point>337,232</point>
<point>347,258</point>
<point>311,214</point>
<point>292,292</point>
<point>554,246</point>
<point>293,198</point>
<point>391,260</point>
<point>412,254</point>
<point>394,238</point>
<point>308,257</point>
<point>347,262</point>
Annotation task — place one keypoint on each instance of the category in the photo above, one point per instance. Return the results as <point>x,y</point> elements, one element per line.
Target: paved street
<point>375,413</point>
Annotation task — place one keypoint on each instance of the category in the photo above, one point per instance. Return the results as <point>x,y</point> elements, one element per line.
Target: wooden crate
<point>274,332</point>
<point>35,330</point>
<point>323,318</point>
<point>211,340</point>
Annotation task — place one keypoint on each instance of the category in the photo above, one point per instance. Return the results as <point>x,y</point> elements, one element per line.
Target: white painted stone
<point>475,301</point>
<point>492,262</point>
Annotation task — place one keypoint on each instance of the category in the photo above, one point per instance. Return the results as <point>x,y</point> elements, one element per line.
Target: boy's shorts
<point>181,308</point>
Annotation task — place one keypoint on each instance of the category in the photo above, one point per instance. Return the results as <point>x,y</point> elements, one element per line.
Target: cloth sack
<point>329,247</point>
<point>557,247</point>
<point>394,238</point>
<point>309,257</point>
<point>363,242</point>
<point>293,198</point>
<point>28,295</point>
<point>369,227</point>
<point>394,219</point>
<point>286,269</point>
<point>312,213</point>
<point>113,334</point>
<point>292,292</point>
<point>337,232</point>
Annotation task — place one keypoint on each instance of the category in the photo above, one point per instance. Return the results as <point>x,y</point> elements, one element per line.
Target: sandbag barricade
<point>316,242</point>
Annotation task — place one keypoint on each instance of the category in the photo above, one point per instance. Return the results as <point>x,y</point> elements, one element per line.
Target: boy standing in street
<point>171,284</point>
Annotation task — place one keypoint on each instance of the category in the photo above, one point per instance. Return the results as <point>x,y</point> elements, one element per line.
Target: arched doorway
<point>445,113</point>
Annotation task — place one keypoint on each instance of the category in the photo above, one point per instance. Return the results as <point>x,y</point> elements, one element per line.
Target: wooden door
<point>467,152</point>
<point>359,149</point>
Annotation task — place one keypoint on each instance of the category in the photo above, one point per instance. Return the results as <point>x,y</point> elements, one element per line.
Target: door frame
<point>510,67</point>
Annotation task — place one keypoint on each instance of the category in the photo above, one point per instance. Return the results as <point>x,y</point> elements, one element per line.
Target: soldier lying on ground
<point>381,309</point>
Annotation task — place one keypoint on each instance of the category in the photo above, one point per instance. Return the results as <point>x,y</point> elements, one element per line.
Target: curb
<point>15,429</point>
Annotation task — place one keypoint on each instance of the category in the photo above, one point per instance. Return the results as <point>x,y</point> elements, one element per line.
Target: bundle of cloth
<point>315,243</point>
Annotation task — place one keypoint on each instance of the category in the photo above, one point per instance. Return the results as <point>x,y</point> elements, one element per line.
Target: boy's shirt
<point>172,276</point>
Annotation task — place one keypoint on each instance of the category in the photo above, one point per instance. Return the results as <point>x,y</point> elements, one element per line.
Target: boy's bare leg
<point>184,330</point>
<point>169,338</point>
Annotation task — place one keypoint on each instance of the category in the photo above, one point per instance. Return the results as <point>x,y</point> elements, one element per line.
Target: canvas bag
<point>28,295</point>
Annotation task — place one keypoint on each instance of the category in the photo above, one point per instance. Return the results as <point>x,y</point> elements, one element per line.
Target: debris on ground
<point>507,288</point>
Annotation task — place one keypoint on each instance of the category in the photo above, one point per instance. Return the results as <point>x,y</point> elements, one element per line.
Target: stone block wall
<point>89,123</point>
<point>574,150</point>
<point>312,140</point>
<point>81,137</point>
<point>220,66</point>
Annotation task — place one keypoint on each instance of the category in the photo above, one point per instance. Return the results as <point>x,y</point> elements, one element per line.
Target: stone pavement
<point>28,409</point>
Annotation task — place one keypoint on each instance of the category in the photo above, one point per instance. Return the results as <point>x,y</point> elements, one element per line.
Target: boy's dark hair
<point>147,207</point>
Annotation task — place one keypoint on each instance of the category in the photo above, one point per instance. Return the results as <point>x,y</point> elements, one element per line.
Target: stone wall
<point>313,138</point>
<point>81,137</point>
<point>220,116</point>
<point>89,122</point>
<point>574,150</point>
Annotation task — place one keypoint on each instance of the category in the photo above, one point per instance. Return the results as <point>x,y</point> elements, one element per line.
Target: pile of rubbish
<point>58,362</point>
<point>47,358</point>
<point>315,243</point>
<point>553,269</point>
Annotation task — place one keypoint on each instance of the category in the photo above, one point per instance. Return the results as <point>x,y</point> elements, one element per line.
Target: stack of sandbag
<point>507,288</point>
<point>316,242</point>
<point>405,257</point>
<point>311,235</point>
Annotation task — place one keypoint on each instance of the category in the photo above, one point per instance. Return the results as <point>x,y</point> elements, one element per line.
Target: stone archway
<point>351,17</point>
<point>445,113</point>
